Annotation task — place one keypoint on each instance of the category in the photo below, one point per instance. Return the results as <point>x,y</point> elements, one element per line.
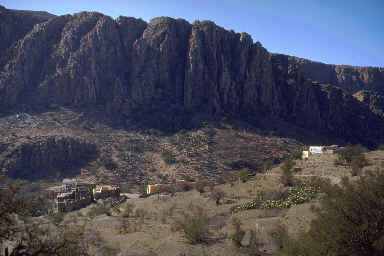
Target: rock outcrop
<point>45,156</point>
<point>170,66</point>
<point>350,78</point>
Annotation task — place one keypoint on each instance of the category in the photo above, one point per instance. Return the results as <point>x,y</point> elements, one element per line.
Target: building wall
<point>73,205</point>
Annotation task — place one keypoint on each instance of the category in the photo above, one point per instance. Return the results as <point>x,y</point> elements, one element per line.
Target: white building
<point>316,149</point>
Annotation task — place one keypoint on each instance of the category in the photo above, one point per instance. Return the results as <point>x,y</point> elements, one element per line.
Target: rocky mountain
<point>167,70</point>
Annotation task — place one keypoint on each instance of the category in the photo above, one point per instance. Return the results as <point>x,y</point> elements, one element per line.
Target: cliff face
<point>352,79</point>
<point>126,65</point>
<point>14,25</point>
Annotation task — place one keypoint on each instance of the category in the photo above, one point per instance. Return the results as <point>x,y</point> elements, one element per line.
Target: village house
<point>178,185</point>
<point>313,150</point>
<point>76,194</point>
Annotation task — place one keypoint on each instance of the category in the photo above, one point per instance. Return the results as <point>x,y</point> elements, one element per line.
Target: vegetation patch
<point>296,195</point>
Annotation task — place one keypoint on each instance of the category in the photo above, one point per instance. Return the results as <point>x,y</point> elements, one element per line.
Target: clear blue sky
<point>332,31</point>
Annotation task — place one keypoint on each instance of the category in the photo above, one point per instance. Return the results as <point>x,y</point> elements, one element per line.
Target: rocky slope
<point>168,68</point>
<point>42,157</point>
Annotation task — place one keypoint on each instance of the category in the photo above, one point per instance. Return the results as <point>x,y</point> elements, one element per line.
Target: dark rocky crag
<point>350,78</point>
<point>173,67</point>
<point>47,156</point>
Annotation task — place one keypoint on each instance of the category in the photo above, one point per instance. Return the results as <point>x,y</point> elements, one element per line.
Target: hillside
<point>148,229</point>
<point>63,142</point>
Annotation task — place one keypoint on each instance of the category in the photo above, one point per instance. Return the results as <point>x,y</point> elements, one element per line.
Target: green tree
<point>349,222</point>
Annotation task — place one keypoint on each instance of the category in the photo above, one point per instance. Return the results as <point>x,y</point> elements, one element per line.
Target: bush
<point>141,213</point>
<point>267,165</point>
<point>296,155</point>
<point>108,163</point>
<point>185,187</point>
<point>128,210</point>
<point>350,220</point>
<point>200,187</point>
<point>357,164</point>
<point>194,225</point>
<point>56,218</point>
<point>279,235</point>
<point>254,244</point>
<point>217,195</point>
<point>354,157</point>
<point>243,174</point>
<point>168,157</point>
<point>287,178</point>
<point>32,237</point>
<point>98,210</point>
<point>347,154</point>
<point>238,235</point>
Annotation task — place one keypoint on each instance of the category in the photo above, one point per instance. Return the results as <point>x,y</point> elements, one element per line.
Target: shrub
<point>128,210</point>
<point>56,218</point>
<point>243,174</point>
<point>287,178</point>
<point>267,165</point>
<point>98,210</point>
<point>172,191</point>
<point>238,234</point>
<point>254,244</point>
<point>350,220</point>
<point>200,187</point>
<point>347,154</point>
<point>354,157</point>
<point>141,213</point>
<point>217,195</point>
<point>296,155</point>
<point>185,187</point>
<point>168,157</point>
<point>194,225</point>
<point>108,163</point>
<point>279,235</point>
<point>357,164</point>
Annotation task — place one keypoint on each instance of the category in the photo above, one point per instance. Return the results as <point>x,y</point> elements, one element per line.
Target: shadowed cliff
<point>169,69</point>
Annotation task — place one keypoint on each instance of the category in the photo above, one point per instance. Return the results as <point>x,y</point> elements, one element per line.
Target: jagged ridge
<point>169,65</point>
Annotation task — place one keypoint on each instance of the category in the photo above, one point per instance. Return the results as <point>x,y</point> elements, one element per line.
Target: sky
<point>347,32</point>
